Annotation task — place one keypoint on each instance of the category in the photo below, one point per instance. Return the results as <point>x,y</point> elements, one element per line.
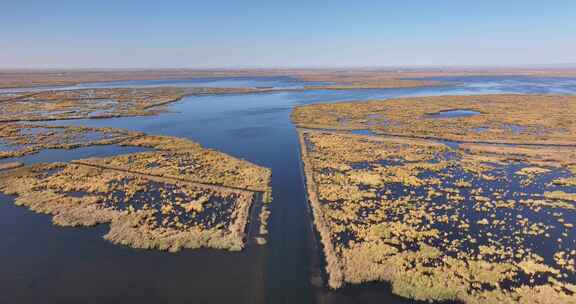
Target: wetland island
<point>460,198</point>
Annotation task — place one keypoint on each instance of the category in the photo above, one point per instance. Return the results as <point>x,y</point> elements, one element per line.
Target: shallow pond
<point>452,114</point>
<point>43,263</point>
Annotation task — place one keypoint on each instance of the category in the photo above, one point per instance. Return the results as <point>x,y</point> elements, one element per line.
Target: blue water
<point>284,82</point>
<point>362,132</point>
<point>452,114</point>
<point>40,262</point>
<point>61,155</point>
<point>514,84</point>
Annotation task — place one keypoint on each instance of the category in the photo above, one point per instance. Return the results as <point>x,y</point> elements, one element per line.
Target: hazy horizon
<point>296,34</point>
<point>557,66</point>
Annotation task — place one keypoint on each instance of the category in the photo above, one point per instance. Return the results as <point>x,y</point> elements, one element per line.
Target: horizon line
<point>568,65</point>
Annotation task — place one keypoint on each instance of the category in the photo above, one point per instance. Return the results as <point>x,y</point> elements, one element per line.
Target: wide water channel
<point>41,263</point>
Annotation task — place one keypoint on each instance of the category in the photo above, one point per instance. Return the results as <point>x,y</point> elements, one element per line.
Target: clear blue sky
<point>290,33</point>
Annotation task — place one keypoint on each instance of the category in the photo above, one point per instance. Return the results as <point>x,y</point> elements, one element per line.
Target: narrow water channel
<point>43,263</point>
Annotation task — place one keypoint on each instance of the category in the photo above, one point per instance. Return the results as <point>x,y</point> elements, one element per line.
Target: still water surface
<point>284,82</point>
<point>41,263</point>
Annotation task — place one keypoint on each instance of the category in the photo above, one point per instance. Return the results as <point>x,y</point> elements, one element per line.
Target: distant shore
<point>340,78</point>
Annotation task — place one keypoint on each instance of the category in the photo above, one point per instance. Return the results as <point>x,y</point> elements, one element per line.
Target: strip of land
<point>98,103</point>
<point>340,78</point>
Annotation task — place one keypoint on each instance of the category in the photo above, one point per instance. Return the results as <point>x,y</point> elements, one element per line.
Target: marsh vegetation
<point>20,139</point>
<point>98,103</point>
<point>443,223</point>
<point>177,195</point>
<point>520,119</point>
<point>478,222</point>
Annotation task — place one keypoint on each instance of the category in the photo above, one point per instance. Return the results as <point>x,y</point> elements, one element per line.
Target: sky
<point>290,33</point>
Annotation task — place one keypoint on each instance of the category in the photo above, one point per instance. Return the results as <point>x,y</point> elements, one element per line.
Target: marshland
<point>439,223</point>
<point>175,164</point>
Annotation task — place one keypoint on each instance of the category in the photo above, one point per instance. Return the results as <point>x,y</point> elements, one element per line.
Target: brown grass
<point>520,119</point>
<point>179,196</point>
<point>382,218</point>
<point>98,103</point>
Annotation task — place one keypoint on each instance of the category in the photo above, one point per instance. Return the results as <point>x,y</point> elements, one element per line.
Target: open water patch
<point>453,114</point>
